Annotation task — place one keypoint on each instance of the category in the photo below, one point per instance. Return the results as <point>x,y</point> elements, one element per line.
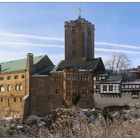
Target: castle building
<point>72,76</point>
<point>15,85</point>
<point>116,89</point>
<point>35,86</point>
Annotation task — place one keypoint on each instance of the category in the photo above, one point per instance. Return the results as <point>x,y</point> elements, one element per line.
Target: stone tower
<point>79,39</point>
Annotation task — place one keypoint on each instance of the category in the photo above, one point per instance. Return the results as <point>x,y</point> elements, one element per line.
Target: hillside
<point>77,122</point>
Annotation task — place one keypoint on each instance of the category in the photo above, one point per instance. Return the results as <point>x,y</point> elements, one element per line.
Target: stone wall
<point>86,102</point>
<point>124,99</point>
<point>42,100</point>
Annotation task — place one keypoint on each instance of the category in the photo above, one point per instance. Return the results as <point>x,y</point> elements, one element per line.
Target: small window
<point>22,76</point>
<point>1,88</point>
<point>9,87</point>
<point>126,86</point>
<point>73,41</point>
<point>134,86</point>
<point>104,88</point>
<point>94,86</point>
<point>1,99</point>
<point>20,87</point>
<point>15,99</point>
<point>1,78</point>
<point>137,86</point>
<point>57,90</point>
<point>74,90</point>
<point>16,76</point>
<point>8,77</point>
<point>94,78</point>
<point>103,78</point>
<point>17,87</point>
<point>97,78</point>
<point>100,78</point>
<point>97,86</point>
<point>20,99</point>
<point>84,90</point>
<point>110,87</point>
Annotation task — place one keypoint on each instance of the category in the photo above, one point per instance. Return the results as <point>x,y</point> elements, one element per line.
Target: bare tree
<point>118,62</point>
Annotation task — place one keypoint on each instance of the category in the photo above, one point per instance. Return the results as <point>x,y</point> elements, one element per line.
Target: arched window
<point>1,88</point>
<point>17,87</point>
<point>9,87</point>
<point>20,87</point>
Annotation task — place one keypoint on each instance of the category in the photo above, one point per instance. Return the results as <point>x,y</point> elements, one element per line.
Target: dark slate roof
<point>17,65</point>
<point>114,77</point>
<point>44,70</point>
<point>77,64</point>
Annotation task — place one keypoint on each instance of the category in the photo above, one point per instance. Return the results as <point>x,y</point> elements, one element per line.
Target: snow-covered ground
<point>74,123</point>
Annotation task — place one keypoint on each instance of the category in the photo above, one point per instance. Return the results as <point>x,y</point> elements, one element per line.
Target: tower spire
<point>79,12</point>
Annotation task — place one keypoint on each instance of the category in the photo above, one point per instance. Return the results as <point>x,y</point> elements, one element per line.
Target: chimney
<point>29,62</point>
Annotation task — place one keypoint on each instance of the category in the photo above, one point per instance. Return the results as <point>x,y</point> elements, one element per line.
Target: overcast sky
<point>39,28</point>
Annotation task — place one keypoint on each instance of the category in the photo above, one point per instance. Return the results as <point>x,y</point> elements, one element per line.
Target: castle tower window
<point>73,41</point>
<point>1,88</point>
<point>1,99</point>
<point>9,87</point>
<point>20,99</point>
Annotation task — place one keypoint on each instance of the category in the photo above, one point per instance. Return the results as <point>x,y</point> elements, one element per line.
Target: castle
<point>36,86</point>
